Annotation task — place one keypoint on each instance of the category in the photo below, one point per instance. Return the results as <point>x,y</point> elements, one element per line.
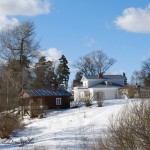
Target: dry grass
<point>130,130</point>
<point>8,123</point>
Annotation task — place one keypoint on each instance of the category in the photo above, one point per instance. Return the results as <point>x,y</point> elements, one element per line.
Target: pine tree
<point>63,72</point>
<point>77,80</point>
<point>43,74</point>
<point>125,79</point>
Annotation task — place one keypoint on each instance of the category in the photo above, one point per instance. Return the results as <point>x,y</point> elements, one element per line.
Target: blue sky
<point>120,28</point>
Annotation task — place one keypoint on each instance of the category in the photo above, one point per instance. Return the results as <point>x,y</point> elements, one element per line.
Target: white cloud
<point>6,23</point>
<point>52,54</point>
<point>135,20</point>
<point>24,7</point>
<point>11,8</point>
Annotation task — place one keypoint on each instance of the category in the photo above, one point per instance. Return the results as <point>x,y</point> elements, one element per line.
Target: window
<point>58,101</point>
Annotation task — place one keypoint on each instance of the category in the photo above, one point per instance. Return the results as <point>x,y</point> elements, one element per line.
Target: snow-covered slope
<point>66,129</point>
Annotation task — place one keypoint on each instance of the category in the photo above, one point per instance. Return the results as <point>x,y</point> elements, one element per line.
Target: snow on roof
<point>104,84</point>
<point>60,92</point>
<point>104,77</point>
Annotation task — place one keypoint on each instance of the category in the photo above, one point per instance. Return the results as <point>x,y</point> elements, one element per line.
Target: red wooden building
<point>44,99</point>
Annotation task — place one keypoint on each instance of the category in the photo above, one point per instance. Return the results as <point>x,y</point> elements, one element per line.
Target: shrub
<point>130,130</point>
<point>35,109</point>
<point>99,98</point>
<point>87,101</point>
<point>8,123</point>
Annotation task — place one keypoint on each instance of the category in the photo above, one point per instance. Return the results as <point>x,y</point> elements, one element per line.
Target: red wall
<point>50,101</point>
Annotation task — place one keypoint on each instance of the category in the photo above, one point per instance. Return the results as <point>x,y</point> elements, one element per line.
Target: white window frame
<point>58,101</point>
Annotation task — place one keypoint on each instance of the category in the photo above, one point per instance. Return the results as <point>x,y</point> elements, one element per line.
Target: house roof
<point>60,92</point>
<point>104,85</point>
<point>104,77</point>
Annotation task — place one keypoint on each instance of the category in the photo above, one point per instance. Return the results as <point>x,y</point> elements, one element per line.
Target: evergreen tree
<point>77,80</point>
<point>125,79</point>
<point>63,72</point>
<point>147,81</point>
<point>44,74</point>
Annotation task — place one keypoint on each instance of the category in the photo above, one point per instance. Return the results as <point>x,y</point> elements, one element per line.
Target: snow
<point>65,129</point>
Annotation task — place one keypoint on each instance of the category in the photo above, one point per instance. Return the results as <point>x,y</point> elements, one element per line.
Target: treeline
<point>142,77</point>
<point>22,67</point>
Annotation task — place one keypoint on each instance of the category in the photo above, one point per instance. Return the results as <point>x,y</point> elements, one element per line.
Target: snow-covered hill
<point>65,129</point>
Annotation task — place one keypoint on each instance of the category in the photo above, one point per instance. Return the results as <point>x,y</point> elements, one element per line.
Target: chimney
<point>100,75</point>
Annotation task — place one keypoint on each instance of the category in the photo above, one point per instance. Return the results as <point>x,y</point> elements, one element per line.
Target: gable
<point>24,94</point>
<point>84,79</point>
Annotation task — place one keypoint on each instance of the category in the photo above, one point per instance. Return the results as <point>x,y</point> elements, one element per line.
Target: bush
<point>100,103</point>
<point>8,123</point>
<point>87,101</point>
<point>130,130</point>
<point>99,98</point>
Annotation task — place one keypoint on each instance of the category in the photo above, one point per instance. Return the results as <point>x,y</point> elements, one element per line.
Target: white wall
<point>93,82</point>
<point>109,93</point>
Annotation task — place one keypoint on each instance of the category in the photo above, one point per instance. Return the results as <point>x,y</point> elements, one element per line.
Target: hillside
<point>65,129</point>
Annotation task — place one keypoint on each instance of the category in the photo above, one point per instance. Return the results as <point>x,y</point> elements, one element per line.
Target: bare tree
<point>146,70</point>
<point>142,77</point>
<point>87,98</point>
<point>129,130</point>
<point>9,88</point>
<point>94,63</point>
<point>146,66</point>
<point>18,42</point>
<point>137,77</point>
<point>18,47</point>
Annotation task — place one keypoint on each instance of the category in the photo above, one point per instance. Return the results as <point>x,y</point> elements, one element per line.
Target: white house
<point>108,85</point>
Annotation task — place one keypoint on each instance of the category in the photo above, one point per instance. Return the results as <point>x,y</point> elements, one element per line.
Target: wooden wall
<point>49,102</point>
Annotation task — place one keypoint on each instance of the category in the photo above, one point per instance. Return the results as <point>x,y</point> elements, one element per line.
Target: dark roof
<point>104,84</point>
<point>104,77</point>
<point>60,92</point>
